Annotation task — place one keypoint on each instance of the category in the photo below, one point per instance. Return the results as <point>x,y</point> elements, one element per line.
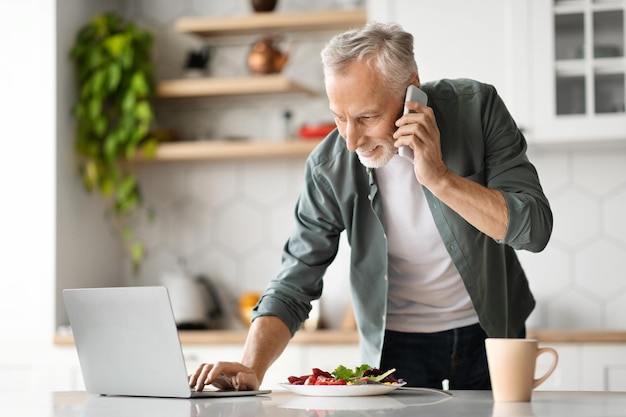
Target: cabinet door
<point>481,39</point>
<point>578,70</point>
<point>603,367</point>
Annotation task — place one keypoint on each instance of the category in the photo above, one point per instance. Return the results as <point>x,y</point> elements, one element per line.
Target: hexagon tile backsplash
<point>579,279</point>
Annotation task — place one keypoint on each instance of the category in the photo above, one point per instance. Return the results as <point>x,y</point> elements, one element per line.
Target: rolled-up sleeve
<point>508,170</point>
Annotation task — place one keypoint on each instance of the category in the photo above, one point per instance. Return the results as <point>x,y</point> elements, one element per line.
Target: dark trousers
<point>426,359</point>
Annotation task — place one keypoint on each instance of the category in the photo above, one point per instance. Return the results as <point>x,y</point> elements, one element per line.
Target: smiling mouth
<point>367,153</point>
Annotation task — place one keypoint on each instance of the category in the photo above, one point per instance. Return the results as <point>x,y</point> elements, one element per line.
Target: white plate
<point>341,390</point>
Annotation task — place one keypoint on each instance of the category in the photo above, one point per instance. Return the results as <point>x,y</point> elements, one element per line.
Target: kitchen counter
<point>280,403</point>
<point>226,337</point>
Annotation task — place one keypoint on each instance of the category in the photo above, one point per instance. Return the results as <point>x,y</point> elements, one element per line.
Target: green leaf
<point>107,186</point>
<point>94,109</point>
<point>360,370</point>
<point>139,84</point>
<point>128,102</point>
<point>341,372</point>
<point>116,44</point>
<point>139,133</point>
<point>127,204</point>
<point>137,253</point>
<point>98,79</point>
<point>143,111</point>
<point>114,76</point>
<point>149,148</point>
<point>126,187</point>
<point>93,60</point>
<point>100,125</point>
<point>91,175</point>
<point>131,150</point>
<point>110,146</point>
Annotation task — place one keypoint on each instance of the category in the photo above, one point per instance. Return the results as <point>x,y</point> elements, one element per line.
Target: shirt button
<point>386,278</point>
<point>385,236</point>
<point>452,247</point>
<point>369,197</point>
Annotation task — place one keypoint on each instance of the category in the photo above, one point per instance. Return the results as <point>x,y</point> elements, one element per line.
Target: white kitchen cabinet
<point>603,367</point>
<point>578,70</point>
<point>585,366</point>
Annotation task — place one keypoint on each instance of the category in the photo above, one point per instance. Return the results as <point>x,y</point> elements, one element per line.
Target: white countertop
<point>279,403</point>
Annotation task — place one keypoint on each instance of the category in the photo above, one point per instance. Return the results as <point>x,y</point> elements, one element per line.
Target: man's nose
<point>353,136</point>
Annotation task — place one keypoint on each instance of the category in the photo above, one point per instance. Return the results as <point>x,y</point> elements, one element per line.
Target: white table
<point>462,403</point>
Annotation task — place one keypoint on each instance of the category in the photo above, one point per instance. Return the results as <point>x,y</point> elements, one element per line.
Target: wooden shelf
<point>231,149</point>
<point>214,87</point>
<point>256,23</point>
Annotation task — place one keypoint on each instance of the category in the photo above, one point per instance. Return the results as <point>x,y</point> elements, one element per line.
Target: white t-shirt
<point>426,292</point>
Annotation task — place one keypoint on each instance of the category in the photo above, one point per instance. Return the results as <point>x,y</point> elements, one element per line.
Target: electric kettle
<point>195,302</point>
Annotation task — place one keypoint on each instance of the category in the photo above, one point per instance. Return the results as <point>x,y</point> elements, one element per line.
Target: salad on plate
<point>342,375</point>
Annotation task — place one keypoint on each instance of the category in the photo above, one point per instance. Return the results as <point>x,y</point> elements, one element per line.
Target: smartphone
<point>412,94</point>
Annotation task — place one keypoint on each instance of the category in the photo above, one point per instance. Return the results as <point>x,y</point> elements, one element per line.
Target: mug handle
<point>537,382</point>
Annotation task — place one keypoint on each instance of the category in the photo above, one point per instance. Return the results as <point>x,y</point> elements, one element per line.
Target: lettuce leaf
<point>354,375</point>
<point>342,372</point>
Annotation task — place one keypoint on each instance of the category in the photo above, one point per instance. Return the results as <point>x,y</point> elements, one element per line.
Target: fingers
<point>416,127</point>
<point>198,380</point>
<point>224,375</point>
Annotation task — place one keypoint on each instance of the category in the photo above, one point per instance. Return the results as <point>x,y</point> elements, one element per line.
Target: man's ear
<point>416,80</point>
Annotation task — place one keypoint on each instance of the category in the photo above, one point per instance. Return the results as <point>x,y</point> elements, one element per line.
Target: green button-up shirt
<point>479,141</point>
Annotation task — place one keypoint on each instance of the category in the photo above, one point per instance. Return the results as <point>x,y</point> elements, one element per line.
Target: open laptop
<point>128,344</point>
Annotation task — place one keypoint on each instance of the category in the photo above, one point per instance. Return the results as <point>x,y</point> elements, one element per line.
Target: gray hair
<point>384,46</point>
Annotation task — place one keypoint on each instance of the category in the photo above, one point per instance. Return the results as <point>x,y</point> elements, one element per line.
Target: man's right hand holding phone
<point>417,137</point>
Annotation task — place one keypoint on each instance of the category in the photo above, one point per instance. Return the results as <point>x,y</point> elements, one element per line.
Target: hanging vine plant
<point>114,113</point>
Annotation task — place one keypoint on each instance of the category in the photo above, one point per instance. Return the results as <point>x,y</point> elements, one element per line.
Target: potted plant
<point>114,114</point>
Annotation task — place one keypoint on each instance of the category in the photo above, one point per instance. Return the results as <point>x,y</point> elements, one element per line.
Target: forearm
<point>482,207</point>
<point>267,338</point>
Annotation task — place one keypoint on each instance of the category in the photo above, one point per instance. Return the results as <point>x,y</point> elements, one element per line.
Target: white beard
<point>380,160</point>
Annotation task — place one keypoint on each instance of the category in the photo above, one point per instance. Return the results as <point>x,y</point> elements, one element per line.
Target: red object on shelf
<point>315,131</point>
